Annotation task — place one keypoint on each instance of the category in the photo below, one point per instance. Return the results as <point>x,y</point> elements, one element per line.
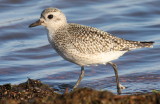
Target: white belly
<point>89,59</point>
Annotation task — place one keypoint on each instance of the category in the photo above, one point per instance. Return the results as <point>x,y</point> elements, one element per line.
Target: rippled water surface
<point>25,52</point>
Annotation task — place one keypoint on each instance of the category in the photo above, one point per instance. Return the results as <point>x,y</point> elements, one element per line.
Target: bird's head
<point>51,18</point>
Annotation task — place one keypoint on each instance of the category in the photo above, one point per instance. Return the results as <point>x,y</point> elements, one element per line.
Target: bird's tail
<point>146,44</point>
<point>138,44</point>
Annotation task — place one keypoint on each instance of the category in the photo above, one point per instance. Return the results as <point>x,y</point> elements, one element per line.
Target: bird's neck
<point>57,29</point>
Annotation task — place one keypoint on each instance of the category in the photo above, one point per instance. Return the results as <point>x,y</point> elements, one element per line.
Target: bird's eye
<point>50,16</point>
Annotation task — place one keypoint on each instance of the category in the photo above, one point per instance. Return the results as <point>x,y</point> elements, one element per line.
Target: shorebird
<point>84,45</point>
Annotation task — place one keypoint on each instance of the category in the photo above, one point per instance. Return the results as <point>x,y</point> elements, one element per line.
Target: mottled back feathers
<point>91,40</point>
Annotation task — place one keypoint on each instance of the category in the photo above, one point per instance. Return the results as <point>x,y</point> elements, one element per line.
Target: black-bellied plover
<point>84,45</point>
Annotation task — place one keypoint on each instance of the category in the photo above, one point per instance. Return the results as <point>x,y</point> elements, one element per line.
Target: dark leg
<point>117,78</point>
<point>80,77</point>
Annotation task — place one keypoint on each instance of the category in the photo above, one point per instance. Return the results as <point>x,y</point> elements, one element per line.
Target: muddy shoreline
<point>35,92</point>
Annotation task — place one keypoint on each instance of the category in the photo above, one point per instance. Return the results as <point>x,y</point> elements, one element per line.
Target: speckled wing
<point>92,40</point>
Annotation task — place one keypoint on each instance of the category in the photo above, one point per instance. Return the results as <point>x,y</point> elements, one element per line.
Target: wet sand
<point>35,92</point>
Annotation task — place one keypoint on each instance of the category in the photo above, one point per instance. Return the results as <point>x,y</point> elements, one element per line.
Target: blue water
<point>25,52</point>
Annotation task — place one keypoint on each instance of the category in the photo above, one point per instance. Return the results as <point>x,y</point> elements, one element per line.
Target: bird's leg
<point>119,86</point>
<point>80,77</point>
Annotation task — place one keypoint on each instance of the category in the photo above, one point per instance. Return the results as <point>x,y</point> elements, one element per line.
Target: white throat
<point>56,25</point>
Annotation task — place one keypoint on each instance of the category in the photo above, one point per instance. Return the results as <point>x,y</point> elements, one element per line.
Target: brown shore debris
<point>35,92</point>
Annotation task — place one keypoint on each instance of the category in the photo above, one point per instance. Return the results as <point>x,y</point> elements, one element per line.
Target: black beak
<point>37,23</point>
